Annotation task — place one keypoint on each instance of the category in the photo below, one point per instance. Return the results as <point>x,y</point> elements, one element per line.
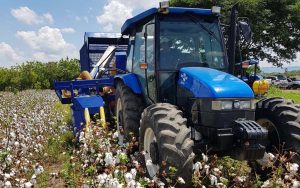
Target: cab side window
<point>130,55</point>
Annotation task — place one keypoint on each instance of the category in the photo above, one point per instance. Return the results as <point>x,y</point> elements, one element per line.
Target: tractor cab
<point>162,41</point>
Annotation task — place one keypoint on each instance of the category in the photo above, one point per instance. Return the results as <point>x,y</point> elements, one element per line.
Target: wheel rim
<point>272,131</point>
<point>120,122</point>
<point>149,138</point>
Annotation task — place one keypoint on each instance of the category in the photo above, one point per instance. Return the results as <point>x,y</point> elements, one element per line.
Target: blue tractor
<point>177,93</point>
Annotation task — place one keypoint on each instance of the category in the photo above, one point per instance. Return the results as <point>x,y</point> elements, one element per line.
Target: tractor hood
<point>210,83</point>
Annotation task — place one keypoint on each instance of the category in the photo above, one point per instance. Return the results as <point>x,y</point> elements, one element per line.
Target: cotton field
<point>27,120</point>
<point>37,149</point>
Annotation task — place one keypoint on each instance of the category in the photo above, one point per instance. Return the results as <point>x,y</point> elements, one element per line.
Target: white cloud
<point>114,15</point>
<point>48,44</point>
<point>48,17</point>
<point>9,56</point>
<point>295,62</point>
<point>67,30</point>
<point>28,16</point>
<point>143,4</point>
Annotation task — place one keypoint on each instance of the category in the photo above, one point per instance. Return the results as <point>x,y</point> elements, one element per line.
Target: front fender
<point>131,81</point>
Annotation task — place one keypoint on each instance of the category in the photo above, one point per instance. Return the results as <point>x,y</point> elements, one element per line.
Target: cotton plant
<point>25,119</point>
<point>103,158</point>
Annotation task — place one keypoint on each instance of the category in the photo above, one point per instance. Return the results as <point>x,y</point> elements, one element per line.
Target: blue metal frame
<point>82,86</point>
<point>95,44</point>
<point>131,81</point>
<point>131,23</point>
<point>84,98</point>
<point>93,103</point>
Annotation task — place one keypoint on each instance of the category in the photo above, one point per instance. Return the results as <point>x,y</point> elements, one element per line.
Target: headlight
<point>221,105</point>
<point>245,104</point>
<point>236,104</point>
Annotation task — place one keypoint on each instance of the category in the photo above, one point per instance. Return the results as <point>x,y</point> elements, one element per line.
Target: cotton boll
<point>114,183</point>
<point>295,184</point>
<point>213,180</point>
<point>116,173</point>
<point>204,157</point>
<point>6,176</point>
<point>38,170</point>
<point>133,173</point>
<point>138,185</point>
<point>292,167</point>
<point>206,167</point>
<point>7,184</point>
<point>241,178</point>
<point>180,180</point>
<point>131,184</point>
<point>109,160</point>
<point>16,144</point>
<point>197,166</point>
<point>128,177</point>
<point>216,171</point>
<point>102,178</point>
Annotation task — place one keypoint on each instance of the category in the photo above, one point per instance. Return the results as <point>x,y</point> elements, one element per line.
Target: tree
<point>275,26</point>
<point>38,75</point>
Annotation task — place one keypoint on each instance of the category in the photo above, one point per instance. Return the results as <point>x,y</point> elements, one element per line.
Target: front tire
<point>282,119</point>
<point>128,110</point>
<point>164,137</point>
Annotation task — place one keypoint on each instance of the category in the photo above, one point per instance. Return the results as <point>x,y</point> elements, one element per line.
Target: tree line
<point>275,25</point>
<point>38,75</point>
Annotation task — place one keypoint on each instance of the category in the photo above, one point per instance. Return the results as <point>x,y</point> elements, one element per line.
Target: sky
<point>48,30</point>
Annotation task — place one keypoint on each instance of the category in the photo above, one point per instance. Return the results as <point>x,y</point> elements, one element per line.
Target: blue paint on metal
<point>121,59</point>
<point>95,44</point>
<point>130,23</point>
<point>131,81</point>
<point>81,86</point>
<point>211,83</point>
<point>93,103</point>
<point>87,101</point>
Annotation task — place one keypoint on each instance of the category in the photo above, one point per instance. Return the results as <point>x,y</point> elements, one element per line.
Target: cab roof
<point>132,22</point>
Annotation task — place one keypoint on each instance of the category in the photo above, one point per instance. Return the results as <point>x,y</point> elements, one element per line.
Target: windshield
<point>185,42</point>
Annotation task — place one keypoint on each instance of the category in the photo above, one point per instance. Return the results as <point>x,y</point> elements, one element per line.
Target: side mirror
<point>245,29</point>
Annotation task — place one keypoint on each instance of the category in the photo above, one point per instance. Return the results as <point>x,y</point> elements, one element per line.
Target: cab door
<point>143,60</point>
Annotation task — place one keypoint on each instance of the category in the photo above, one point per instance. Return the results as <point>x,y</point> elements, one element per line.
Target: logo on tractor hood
<point>184,77</point>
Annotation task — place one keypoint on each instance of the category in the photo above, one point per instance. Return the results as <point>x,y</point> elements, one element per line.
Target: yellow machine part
<point>87,119</point>
<point>85,75</point>
<point>66,93</point>
<point>87,122</point>
<point>102,117</point>
<point>260,87</point>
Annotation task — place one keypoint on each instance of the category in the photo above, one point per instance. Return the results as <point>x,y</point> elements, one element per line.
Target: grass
<point>288,94</point>
<point>59,149</point>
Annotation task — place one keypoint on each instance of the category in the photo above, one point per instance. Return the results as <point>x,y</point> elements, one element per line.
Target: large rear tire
<point>164,137</point>
<point>282,119</point>
<point>128,110</point>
